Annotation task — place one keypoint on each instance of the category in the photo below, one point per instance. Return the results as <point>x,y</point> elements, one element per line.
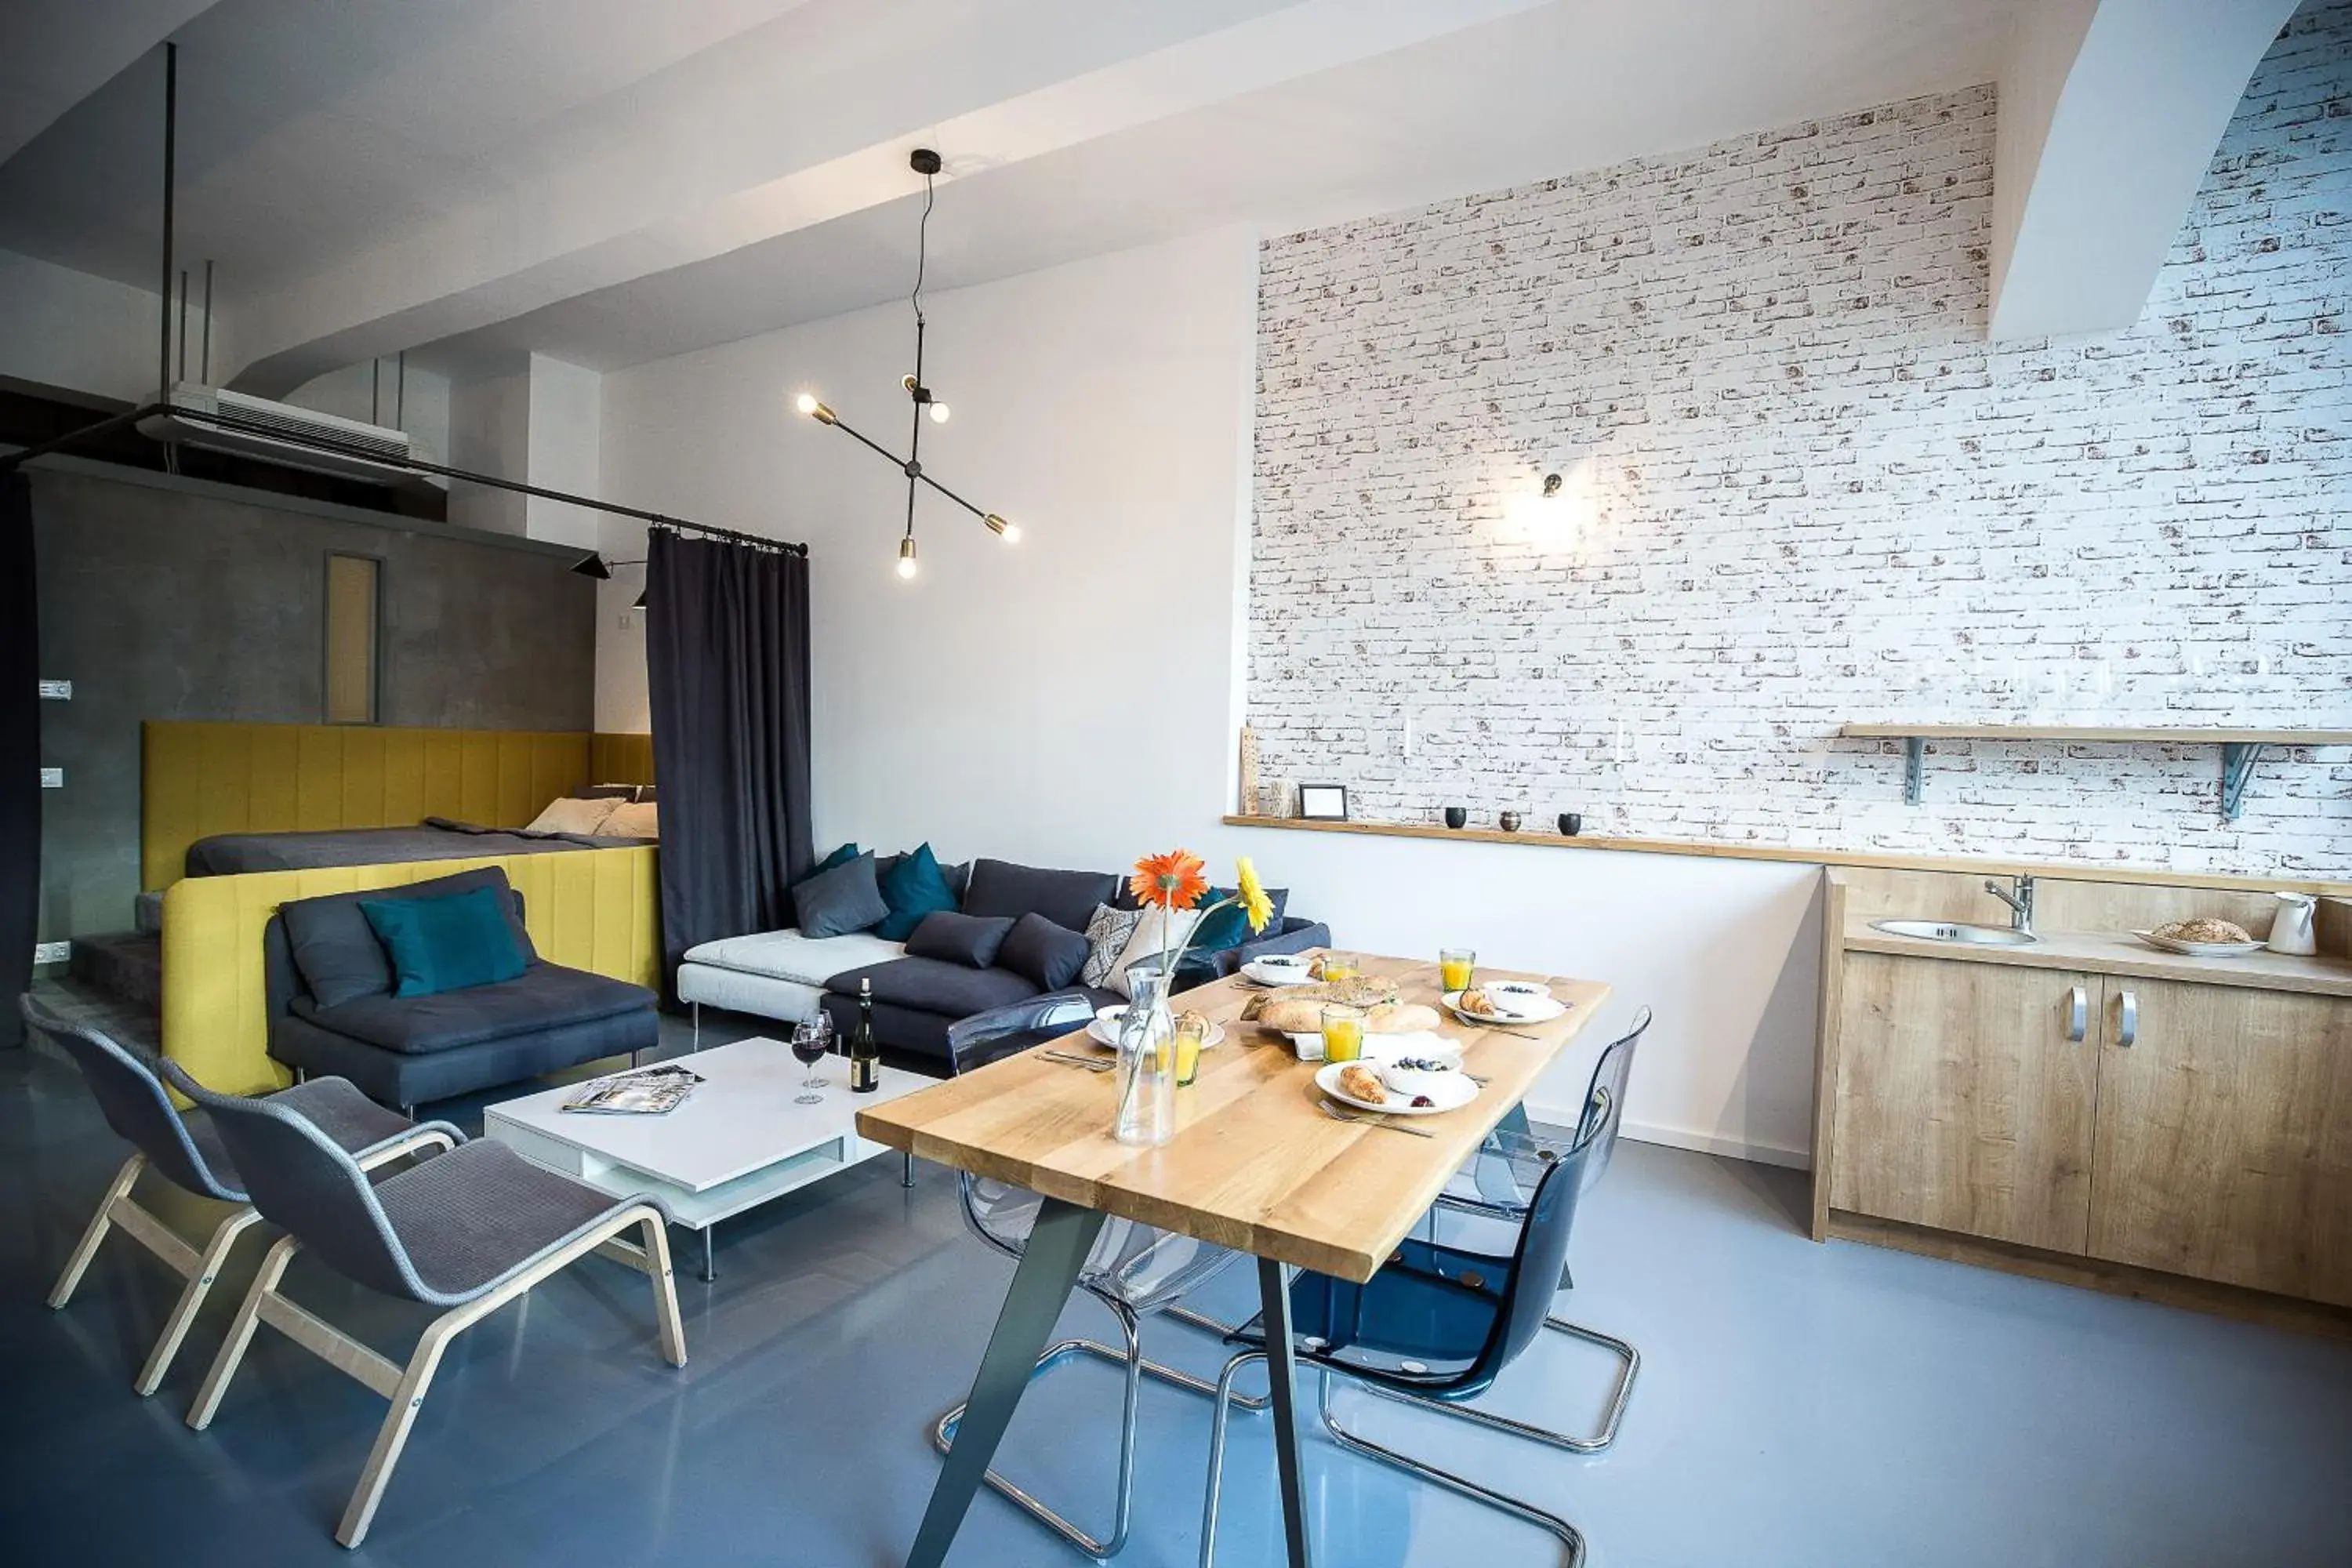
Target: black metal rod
<point>895,461</point>
<point>376,391</point>
<point>400,390</point>
<point>171,153</point>
<point>10,461</point>
<point>183,323</point>
<point>952,496</point>
<point>205,369</point>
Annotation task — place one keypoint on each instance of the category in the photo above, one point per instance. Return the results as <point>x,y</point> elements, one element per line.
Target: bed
<point>414,804</point>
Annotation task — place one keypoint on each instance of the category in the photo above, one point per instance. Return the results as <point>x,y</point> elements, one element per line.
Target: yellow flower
<point>1255,903</point>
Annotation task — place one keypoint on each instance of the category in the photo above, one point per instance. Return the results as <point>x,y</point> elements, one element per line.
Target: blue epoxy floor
<point>1801,1405</point>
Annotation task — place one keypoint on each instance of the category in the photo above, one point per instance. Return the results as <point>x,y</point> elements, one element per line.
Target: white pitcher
<point>2292,929</point>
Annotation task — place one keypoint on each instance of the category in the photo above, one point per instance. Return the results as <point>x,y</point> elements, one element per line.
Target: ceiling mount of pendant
<point>924,162</point>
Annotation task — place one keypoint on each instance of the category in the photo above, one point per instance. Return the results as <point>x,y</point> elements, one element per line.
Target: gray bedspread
<point>435,839</point>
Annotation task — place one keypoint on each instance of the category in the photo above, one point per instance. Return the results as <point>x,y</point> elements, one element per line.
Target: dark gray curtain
<point>727,665</point>
<point>20,744</point>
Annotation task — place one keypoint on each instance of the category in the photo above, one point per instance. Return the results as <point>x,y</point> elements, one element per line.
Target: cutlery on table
<point>1369,1120</point>
<point>1092,1064</point>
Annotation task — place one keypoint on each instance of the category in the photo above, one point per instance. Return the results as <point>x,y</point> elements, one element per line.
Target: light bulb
<point>1011,533</point>
<point>906,556</point>
<point>938,413</point>
<point>806,403</point>
<point>1007,532</point>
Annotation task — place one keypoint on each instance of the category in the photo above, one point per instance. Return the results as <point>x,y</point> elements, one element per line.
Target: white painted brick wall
<point>1803,489</point>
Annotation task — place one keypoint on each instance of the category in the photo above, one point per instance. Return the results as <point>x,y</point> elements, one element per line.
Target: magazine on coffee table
<point>647,1091</point>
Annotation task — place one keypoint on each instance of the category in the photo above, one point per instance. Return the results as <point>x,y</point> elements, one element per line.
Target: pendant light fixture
<point>926,162</point>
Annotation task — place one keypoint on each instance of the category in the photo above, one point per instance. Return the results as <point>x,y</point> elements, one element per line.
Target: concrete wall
<point>167,599</point>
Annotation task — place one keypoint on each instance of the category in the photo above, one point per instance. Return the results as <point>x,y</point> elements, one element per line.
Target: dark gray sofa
<point>407,1051</point>
<point>918,1002</point>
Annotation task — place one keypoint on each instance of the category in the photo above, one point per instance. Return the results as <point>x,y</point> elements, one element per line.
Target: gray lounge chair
<point>130,1086</point>
<point>467,1232</point>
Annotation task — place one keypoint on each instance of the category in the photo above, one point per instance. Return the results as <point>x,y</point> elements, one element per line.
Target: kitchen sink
<point>1952,931</point>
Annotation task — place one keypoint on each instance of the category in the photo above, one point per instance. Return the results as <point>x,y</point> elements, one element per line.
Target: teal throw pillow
<point>914,886</point>
<point>444,944</point>
<point>1228,927</point>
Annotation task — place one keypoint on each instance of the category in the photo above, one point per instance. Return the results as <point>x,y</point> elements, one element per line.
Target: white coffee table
<point>736,1142</point>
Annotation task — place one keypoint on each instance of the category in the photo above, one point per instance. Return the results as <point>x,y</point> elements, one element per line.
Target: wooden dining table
<point>1255,1164</point>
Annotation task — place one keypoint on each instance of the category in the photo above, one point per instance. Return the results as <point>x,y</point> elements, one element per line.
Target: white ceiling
<point>609,181</point>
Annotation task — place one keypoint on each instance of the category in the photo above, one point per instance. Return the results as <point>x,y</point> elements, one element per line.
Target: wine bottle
<point>865,1062</point>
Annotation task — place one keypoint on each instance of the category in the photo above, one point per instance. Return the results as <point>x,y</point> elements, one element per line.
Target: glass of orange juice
<point>1456,966</point>
<point>1338,966</point>
<point>1343,1034</point>
<point>1187,1054</point>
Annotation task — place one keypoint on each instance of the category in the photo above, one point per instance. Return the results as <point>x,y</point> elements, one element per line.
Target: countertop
<point>2120,952</point>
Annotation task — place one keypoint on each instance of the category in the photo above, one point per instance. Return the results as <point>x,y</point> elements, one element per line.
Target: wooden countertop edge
<point>2057,870</point>
<point>2099,734</point>
<point>2073,949</point>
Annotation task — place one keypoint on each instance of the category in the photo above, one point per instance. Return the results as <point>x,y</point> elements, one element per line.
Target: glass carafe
<point>1146,1062</point>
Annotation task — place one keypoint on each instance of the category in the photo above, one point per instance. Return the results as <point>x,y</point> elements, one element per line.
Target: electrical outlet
<point>52,953</point>
<point>57,690</point>
<point>53,778</point>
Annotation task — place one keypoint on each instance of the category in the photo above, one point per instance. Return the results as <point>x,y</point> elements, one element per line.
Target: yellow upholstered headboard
<point>591,908</point>
<point>199,779</point>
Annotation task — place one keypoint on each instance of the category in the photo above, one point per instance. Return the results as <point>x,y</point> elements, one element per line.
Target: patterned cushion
<point>1107,935</point>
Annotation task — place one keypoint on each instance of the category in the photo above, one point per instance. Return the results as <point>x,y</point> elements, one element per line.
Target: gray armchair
<point>129,1085</point>
<point>467,1232</point>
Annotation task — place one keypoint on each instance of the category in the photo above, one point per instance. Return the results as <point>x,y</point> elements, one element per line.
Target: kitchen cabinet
<point>2223,1148</point>
<point>1965,1098</point>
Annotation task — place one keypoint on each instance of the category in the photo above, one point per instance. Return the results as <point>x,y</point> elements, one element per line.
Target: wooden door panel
<point>1961,1103</point>
<point>2224,1144</point>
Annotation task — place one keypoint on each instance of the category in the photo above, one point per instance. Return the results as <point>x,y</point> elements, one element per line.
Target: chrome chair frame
<point>1134,1365</point>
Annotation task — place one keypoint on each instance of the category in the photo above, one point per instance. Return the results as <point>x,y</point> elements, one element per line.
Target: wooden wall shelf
<point>2241,749</point>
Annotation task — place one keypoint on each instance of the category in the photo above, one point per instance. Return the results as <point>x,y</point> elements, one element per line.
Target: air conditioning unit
<point>223,421</point>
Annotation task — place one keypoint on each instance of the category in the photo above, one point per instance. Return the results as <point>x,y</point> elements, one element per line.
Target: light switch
<point>57,690</point>
<point>53,778</point>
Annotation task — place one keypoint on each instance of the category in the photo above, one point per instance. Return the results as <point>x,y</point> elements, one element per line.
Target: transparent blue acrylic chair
<point>1437,1324</point>
<point>1496,1186</point>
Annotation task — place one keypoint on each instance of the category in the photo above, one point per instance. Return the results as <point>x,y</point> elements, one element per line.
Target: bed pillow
<point>1106,933</point>
<point>837,903</point>
<point>970,939</point>
<point>449,943</point>
<point>639,820</point>
<point>915,887</point>
<point>1036,949</point>
<point>573,814</point>
<point>1147,942</point>
<point>337,952</point>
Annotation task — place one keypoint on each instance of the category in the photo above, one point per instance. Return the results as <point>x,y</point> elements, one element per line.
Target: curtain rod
<point>10,462</point>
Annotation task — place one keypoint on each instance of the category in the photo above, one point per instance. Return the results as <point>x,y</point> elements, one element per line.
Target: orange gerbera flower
<point>1172,881</point>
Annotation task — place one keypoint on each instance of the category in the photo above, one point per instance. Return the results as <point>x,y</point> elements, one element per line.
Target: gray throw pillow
<point>1107,937</point>
<point>971,940</point>
<point>843,900</point>
<point>1041,951</point>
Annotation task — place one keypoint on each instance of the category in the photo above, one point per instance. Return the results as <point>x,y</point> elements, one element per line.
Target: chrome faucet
<point>2021,902</point>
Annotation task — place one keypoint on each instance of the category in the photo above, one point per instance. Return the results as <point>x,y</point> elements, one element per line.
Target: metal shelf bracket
<point>1915,769</point>
<point>2238,760</point>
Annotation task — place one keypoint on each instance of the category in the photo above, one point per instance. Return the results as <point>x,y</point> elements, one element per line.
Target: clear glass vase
<point>1146,1062</point>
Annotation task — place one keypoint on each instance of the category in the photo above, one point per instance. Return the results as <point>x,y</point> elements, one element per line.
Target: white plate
<point>1543,1011</point>
<point>1379,1049</point>
<point>1103,1029</point>
<point>1519,991</point>
<point>1456,1091</point>
<point>2197,949</point>
<point>1255,970</point>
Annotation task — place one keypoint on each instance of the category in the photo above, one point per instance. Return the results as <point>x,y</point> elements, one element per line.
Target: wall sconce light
<point>1552,486</point>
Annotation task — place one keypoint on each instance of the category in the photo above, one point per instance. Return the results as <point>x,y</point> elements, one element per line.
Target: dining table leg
<point>1274,1300</point>
<point>1057,1250</point>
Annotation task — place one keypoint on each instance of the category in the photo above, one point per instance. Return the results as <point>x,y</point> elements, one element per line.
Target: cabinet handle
<point>2078,1014</point>
<point>2127,1025</point>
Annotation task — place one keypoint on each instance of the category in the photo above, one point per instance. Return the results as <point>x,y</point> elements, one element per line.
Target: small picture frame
<point>1323,802</point>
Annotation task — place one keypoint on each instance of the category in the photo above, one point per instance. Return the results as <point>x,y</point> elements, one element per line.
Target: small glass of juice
<point>1456,967</point>
<point>1343,1034</point>
<point>1338,966</point>
<point>1188,1055</point>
